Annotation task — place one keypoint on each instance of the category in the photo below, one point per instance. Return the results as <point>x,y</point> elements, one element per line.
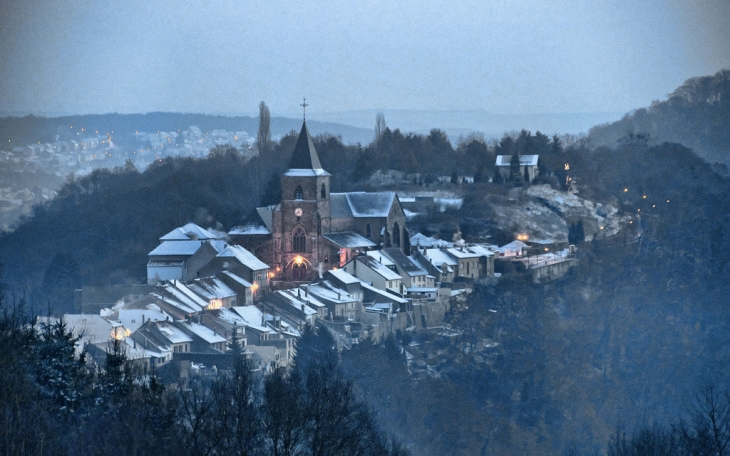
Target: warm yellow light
<point>254,287</point>
<point>644,197</point>
<point>626,190</point>
<point>567,166</point>
<point>522,237</point>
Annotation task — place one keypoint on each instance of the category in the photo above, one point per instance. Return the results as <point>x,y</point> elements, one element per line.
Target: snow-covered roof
<point>249,230</point>
<point>246,258</point>
<point>132,319</point>
<point>305,297</point>
<point>420,240</point>
<point>238,279</point>
<point>437,257</point>
<point>251,317</point>
<point>514,246</point>
<point>389,297</point>
<point>91,328</point>
<point>203,332</point>
<point>330,293</point>
<point>190,231</point>
<point>344,276</point>
<point>176,248</point>
<point>404,263</point>
<point>381,269</point>
<point>481,250</point>
<point>349,240</point>
<point>361,204</point>
<point>462,253</point>
<point>294,300</point>
<point>297,172</point>
<point>211,288</point>
<point>525,160</point>
<point>380,258</point>
<point>173,334</point>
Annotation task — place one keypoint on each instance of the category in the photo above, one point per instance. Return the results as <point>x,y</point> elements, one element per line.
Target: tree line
<point>52,402</point>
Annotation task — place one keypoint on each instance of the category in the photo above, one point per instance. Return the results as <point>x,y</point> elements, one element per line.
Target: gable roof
<point>378,267</point>
<point>246,258</point>
<point>404,263</point>
<point>349,240</point>
<point>304,155</point>
<point>190,231</point>
<point>176,248</point>
<point>361,204</point>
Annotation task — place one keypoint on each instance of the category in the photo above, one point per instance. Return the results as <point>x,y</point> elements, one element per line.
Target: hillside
<point>695,115</point>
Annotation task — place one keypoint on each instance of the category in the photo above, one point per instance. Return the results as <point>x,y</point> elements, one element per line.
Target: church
<point>312,230</point>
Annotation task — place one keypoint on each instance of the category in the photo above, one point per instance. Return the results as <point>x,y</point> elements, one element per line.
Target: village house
<point>244,264</point>
<point>528,163</point>
<point>371,270</point>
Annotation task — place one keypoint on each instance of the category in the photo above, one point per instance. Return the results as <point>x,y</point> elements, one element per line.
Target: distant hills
<point>462,122</point>
<point>21,131</point>
<point>696,115</point>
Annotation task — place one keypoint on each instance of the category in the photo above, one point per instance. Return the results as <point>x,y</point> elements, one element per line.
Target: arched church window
<point>367,231</point>
<point>323,192</point>
<point>396,234</point>
<point>299,240</point>
<point>298,193</point>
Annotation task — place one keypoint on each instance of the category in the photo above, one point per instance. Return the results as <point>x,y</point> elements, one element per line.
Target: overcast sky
<point>226,56</point>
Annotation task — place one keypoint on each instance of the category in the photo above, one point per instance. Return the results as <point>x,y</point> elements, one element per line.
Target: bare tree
<point>263,137</point>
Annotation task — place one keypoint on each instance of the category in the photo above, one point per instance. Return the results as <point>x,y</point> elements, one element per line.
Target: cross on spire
<point>304,108</point>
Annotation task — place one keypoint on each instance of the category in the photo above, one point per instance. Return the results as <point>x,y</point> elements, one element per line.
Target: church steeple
<point>304,156</point>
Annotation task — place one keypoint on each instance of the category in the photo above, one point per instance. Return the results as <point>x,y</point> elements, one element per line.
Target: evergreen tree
<point>514,168</point>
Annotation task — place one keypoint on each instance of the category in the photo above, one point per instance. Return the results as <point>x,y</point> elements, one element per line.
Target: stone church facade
<point>312,230</point>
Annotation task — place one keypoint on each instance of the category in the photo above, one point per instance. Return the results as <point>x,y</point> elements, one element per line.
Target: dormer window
<point>298,193</point>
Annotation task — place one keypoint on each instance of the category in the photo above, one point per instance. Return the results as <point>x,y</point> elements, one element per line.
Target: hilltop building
<point>312,230</point>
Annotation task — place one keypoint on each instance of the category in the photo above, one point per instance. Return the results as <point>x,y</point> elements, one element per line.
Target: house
<point>181,260</point>
<point>527,162</point>
<point>438,263</point>
<point>369,269</point>
<point>294,308</point>
<point>204,339</point>
<point>468,264</point>
<point>215,291</point>
<point>243,264</point>
<point>239,285</point>
<point>340,304</point>
<point>413,275</point>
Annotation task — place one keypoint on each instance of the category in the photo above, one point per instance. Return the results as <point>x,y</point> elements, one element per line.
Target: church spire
<point>304,156</point>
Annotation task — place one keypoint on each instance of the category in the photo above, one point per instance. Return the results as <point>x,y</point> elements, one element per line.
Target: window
<point>298,193</point>
<point>367,231</point>
<point>299,240</point>
<point>396,234</point>
<point>323,192</point>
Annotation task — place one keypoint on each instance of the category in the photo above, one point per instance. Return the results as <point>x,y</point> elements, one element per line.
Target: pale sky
<point>522,57</point>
